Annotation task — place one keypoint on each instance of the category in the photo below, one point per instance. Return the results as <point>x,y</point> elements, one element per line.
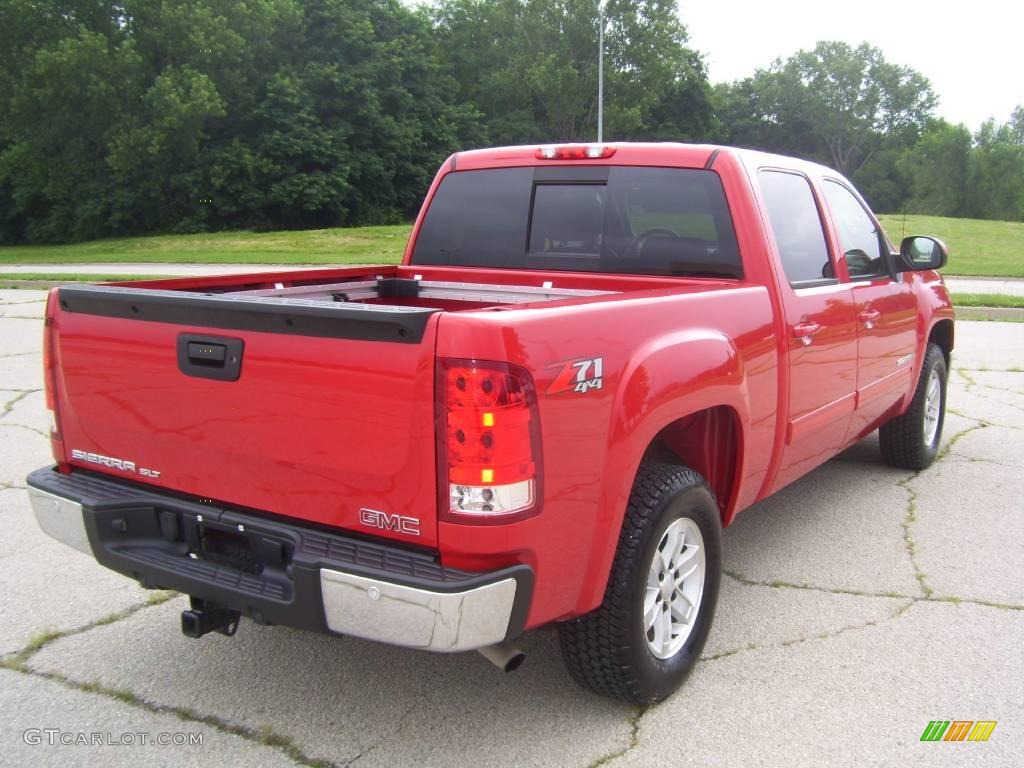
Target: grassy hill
<point>991,248</point>
<point>976,247</point>
<point>357,245</point>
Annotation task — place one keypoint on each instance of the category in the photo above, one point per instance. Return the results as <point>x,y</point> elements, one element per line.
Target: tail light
<point>488,442</point>
<point>49,365</point>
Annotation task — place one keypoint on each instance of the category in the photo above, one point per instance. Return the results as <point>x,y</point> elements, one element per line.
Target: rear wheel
<point>643,640</point>
<point>911,441</point>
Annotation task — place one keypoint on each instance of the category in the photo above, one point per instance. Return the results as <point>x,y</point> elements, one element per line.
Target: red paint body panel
<point>316,428</point>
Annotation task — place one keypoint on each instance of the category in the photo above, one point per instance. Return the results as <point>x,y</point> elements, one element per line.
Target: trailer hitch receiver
<point>204,617</point>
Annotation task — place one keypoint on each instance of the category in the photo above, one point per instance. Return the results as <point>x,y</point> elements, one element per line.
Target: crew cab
<point>590,360</point>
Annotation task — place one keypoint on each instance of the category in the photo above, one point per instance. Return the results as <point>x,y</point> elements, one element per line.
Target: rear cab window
<point>617,219</point>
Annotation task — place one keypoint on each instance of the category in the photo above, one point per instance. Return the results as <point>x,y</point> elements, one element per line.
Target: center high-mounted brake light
<point>488,442</point>
<point>575,152</point>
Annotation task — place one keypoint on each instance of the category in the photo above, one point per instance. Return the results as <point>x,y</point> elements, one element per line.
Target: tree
<point>938,170</point>
<point>997,170</point>
<point>530,68</point>
<point>838,103</point>
<point>188,115</point>
<point>69,96</point>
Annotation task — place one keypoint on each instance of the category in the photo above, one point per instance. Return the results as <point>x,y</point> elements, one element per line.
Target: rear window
<point>629,220</point>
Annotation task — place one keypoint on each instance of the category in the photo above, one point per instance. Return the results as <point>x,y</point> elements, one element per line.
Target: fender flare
<point>667,379</point>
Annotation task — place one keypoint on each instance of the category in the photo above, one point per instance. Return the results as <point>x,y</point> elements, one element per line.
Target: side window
<point>797,227</point>
<point>858,235</point>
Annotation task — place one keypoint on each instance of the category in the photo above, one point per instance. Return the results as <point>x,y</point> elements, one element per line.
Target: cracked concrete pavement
<point>858,604</point>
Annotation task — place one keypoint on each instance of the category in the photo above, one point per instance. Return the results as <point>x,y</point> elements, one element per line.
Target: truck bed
<point>293,393</point>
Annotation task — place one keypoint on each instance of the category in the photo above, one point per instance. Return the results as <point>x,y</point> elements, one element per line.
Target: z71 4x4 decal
<point>578,376</point>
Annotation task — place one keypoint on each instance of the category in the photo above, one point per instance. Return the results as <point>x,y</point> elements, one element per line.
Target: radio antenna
<point>600,71</point>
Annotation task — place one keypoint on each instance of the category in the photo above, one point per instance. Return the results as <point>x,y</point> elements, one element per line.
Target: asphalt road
<point>860,604</point>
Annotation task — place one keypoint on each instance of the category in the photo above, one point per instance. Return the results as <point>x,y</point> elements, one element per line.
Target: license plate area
<point>229,548</point>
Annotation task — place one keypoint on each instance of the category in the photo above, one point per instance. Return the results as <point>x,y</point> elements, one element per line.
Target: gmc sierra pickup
<point>591,358</point>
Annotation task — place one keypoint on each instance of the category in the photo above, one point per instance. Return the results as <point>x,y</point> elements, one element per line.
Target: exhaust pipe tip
<point>504,656</point>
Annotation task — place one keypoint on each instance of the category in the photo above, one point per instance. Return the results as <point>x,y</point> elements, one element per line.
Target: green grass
<point>989,248</point>
<point>987,300</point>
<point>985,248</point>
<point>362,245</point>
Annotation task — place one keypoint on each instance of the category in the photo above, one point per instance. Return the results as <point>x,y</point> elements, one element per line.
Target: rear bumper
<point>275,571</point>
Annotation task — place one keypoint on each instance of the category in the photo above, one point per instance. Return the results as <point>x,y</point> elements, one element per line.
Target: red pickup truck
<point>590,359</point>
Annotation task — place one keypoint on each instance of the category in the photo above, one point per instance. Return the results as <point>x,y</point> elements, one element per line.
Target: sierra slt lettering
<point>107,461</point>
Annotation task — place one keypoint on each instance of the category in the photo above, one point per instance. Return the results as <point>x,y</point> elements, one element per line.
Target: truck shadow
<point>816,531</point>
<point>343,699</point>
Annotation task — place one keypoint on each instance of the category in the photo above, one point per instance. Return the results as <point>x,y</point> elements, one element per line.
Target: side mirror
<point>920,253</point>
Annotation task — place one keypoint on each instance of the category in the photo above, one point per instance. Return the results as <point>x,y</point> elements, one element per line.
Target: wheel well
<point>708,442</point>
<point>942,334</point>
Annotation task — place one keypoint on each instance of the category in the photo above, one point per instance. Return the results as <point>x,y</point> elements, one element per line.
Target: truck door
<point>885,306</point>
<point>821,337</point>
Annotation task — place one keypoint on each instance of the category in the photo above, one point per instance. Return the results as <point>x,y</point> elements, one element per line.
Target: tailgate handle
<point>207,354</point>
<point>210,357</point>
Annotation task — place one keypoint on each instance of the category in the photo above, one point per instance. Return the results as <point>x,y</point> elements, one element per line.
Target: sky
<point>972,52</point>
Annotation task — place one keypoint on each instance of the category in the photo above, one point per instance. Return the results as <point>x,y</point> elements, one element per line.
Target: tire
<point>911,441</point>
<point>611,650</point>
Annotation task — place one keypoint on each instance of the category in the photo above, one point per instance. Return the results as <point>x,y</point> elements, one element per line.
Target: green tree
<point>530,67</point>
<point>70,96</point>
<point>185,115</point>
<point>938,170</point>
<point>843,106</point>
<point>997,170</point>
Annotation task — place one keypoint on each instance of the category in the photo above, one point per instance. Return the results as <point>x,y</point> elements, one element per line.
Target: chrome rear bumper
<point>329,582</point>
<point>60,518</point>
<point>417,618</point>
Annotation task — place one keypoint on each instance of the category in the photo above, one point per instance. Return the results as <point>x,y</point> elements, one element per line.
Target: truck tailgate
<point>330,412</point>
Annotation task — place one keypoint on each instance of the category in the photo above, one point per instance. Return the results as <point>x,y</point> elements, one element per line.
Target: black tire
<point>607,650</point>
<point>902,440</point>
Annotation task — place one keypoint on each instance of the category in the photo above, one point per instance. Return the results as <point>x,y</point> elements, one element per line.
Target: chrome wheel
<point>932,407</point>
<point>675,585</point>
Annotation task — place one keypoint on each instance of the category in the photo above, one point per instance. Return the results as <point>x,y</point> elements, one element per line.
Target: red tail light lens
<point>49,365</point>
<point>488,442</point>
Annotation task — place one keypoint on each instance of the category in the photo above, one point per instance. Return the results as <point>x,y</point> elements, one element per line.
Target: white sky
<point>972,52</point>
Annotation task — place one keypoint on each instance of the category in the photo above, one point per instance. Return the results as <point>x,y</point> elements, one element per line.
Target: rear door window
<point>796,225</point>
<point>629,220</point>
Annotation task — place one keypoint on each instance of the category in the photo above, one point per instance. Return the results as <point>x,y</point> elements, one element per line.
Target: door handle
<point>869,317</point>
<point>805,331</point>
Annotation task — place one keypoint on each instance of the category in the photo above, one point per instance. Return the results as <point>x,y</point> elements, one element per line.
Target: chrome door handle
<point>869,317</point>
<point>805,332</point>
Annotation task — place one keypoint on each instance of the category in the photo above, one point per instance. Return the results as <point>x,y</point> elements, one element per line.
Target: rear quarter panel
<point>665,354</point>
